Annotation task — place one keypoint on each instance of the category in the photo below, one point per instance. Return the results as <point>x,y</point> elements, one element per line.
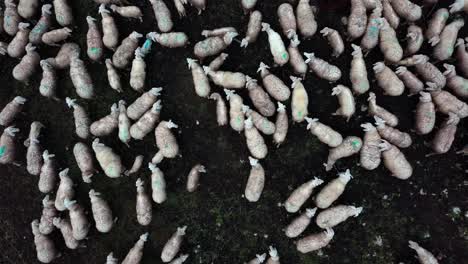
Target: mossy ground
<point>222,226</point>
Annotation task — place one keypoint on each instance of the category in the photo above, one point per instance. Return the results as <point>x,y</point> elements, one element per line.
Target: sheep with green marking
<point>370,39</point>
<point>8,145</point>
<point>11,18</point>
<point>63,12</point>
<point>351,145</point>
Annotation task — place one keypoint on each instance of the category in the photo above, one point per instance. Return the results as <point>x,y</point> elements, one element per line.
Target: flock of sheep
<point>371,24</point>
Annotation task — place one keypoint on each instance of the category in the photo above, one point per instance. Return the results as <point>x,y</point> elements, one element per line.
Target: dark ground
<point>222,226</point>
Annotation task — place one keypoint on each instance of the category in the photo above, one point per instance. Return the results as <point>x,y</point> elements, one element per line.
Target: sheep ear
<point>144,237</point>
<point>171,124</point>
<point>265,27</point>
<point>281,107</point>
<point>181,230</point>
<point>432,86</point>
<point>244,42</point>
<point>206,69</point>
<point>357,51</point>
<point>202,169</point>
<point>311,212</point>
<point>262,67</point>
<point>253,161</point>
<point>357,211</point>
<point>329,232</point>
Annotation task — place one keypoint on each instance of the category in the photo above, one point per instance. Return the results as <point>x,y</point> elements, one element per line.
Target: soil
<point>223,227</point>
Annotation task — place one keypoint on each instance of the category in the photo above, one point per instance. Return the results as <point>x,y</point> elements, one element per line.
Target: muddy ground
<point>222,226</point>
